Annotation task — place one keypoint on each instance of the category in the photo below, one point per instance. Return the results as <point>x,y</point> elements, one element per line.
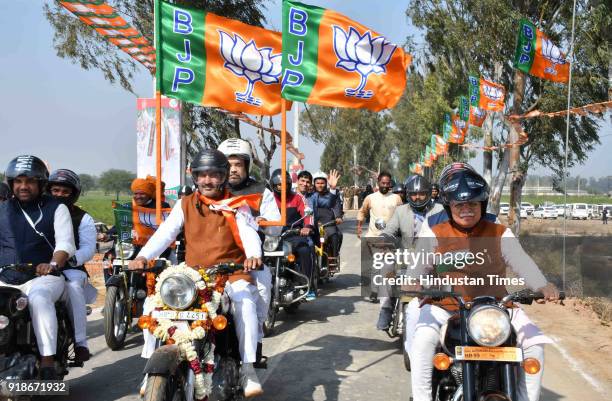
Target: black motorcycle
<point>478,358</point>
<point>289,286</point>
<point>169,376</point>
<point>125,294</point>
<point>19,354</point>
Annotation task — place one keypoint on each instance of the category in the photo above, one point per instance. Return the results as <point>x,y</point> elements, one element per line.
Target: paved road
<point>328,350</point>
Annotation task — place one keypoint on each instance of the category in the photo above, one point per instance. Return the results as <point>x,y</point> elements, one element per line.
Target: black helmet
<point>463,186</point>
<point>4,191</point>
<point>275,179</point>
<point>209,160</point>
<point>417,183</point>
<point>67,178</point>
<point>29,166</point>
<point>435,186</point>
<point>185,190</point>
<point>399,189</point>
<point>454,167</point>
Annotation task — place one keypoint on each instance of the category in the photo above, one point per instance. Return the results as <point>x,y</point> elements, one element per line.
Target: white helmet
<point>319,174</point>
<point>237,147</point>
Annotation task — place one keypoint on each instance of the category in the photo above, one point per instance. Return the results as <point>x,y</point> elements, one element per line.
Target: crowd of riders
<point>41,226</point>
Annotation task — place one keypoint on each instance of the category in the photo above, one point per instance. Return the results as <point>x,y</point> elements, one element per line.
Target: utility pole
<point>296,132</point>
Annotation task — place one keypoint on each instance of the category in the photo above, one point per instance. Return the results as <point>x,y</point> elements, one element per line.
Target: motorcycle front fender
<point>115,281</point>
<point>164,360</point>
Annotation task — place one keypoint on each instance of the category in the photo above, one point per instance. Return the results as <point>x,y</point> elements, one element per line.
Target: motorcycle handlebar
<point>523,296</point>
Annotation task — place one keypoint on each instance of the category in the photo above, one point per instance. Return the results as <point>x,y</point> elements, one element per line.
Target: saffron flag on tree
<point>486,95</point>
<point>537,55</point>
<point>330,60</point>
<point>218,62</point>
<point>477,116</point>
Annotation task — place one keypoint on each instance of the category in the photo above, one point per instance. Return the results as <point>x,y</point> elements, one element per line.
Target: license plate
<point>182,315</point>
<point>500,354</point>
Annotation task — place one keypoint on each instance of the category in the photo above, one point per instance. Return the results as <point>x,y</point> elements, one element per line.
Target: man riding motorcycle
<point>209,214</point>
<point>464,194</point>
<point>36,229</point>
<point>406,221</point>
<point>296,207</point>
<point>239,152</point>
<point>304,184</point>
<point>400,189</point>
<point>65,186</point>
<point>327,208</point>
<point>435,193</point>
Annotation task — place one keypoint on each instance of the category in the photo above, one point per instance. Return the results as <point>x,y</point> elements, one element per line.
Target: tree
<point>73,40</point>
<point>88,182</point>
<point>116,181</point>
<point>458,36</point>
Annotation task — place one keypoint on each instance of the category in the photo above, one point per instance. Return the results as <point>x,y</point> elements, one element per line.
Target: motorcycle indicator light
<point>4,322</point>
<point>441,361</point>
<point>220,322</point>
<point>291,258</point>
<point>21,303</point>
<point>531,366</point>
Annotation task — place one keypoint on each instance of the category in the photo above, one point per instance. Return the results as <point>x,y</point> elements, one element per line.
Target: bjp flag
<point>537,55</point>
<point>218,62</point>
<point>486,95</point>
<point>331,60</point>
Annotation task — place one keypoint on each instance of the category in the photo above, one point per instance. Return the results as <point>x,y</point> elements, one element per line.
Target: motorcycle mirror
<point>380,224</point>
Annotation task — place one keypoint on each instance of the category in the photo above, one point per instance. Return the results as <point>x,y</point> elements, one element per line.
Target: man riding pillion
<point>464,194</point>
<point>296,211</point>
<point>65,186</point>
<point>328,208</point>
<point>239,154</point>
<point>406,221</point>
<point>36,229</point>
<point>209,214</point>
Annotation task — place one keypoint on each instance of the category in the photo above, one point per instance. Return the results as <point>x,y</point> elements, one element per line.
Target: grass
<point>99,205</point>
<point>559,199</point>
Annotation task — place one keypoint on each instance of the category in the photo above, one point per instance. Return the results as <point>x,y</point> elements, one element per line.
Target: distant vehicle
<point>560,210</point>
<point>528,207</point>
<point>504,208</point>
<point>523,213</point>
<point>578,211</point>
<point>547,212</point>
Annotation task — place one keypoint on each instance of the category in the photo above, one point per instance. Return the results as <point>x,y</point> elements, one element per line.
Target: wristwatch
<point>53,266</point>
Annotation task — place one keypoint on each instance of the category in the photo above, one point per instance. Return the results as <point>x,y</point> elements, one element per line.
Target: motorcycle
<point>289,286</point>
<point>328,265</point>
<point>19,354</point>
<point>196,352</point>
<point>478,357</point>
<point>125,294</point>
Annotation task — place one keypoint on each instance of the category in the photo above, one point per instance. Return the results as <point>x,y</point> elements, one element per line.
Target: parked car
<point>528,207</point>
<point>560,210</point>
<point>547,212</point>
<point>579,211</point>
<point>504,208</point>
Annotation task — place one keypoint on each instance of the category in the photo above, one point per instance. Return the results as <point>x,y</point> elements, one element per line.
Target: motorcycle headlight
<point>489,326</point>
<point>125,251</point>
<point>178,291</point>
<point>271,243</point>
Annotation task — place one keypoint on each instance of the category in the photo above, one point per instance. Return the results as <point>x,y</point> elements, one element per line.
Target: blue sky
<point>75,119</point>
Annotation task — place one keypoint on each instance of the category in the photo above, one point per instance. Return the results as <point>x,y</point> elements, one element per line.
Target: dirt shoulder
<point>578,330</point>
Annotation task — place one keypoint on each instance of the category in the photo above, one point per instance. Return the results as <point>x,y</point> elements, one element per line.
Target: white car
<point>560,210</point>
<point>548,212</point>
<point>528,207</point>
<point>579,211</point>
<point>504,208</point>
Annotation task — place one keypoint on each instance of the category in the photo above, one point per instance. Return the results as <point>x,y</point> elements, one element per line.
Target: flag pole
<point>158,116</point>
<point>283,160</point>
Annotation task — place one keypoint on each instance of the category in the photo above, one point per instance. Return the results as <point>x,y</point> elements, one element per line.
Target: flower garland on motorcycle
<point>209,292</point>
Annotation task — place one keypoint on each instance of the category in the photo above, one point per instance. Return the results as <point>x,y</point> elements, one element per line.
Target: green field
<point>98,205</point>
<point>559,199</point>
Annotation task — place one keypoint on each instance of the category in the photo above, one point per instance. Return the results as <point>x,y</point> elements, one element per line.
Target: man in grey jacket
<point>406,222</point>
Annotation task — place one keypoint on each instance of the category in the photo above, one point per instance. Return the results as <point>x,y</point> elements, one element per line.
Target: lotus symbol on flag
<point>493,92</point>
<point>362,54</point>
<point>247,60</point>
<point>553,54</point>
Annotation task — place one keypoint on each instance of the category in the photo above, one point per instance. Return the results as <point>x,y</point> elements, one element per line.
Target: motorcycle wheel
<point>397,314</point>
<point>115,317</point>
<point>291,309</point>
<point>159,389</point>
<point>268,326</point>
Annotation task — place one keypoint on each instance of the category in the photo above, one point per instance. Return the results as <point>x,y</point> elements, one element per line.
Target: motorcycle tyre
<point>113,342</point>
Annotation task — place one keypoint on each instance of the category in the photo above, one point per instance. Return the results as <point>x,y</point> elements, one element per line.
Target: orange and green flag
<point>537,55</point>
<point>486,95</point>
<point>331,60</point>
<point>477,116</point>
<point>218,62</point>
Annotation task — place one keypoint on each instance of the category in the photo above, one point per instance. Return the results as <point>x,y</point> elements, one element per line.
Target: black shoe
<point>374,297</point>
<point>261,360</point>
<point>81,354</point>
<point>48,373</point>
<point>384,318</point>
